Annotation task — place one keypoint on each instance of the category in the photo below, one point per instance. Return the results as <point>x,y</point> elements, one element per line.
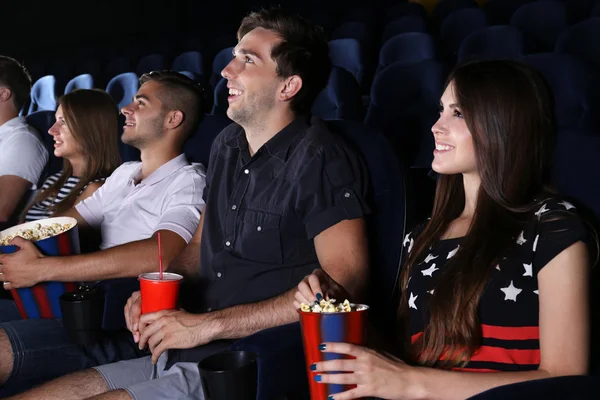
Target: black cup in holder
<point>229,375</point>
<point>82,313</point>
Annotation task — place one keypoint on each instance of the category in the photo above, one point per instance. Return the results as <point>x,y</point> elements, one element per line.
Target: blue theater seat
<point>457,26</point>
<point>190,61</point>
<point>43,95</point>
<point>543,21</point>
<point>407,48</point>
<point>122,88</point>
<point>197,147</point>
<point>499,12</point>
<point>404,9</point>
<point>494,42</point>
<point>581,40</point>
<point>220,61</point>
<point>357,30</point>
<point>149,63</point>
<point>409,23</point>
<point>341,98</point>
<point>444,8</point>
<point>347,54</point>
<point>84,81</point>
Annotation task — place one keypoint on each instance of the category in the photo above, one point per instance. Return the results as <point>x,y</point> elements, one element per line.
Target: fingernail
<point>322,347</point>
<point>318,378</point>
<point>319,296</point>
<point>329,397</point>
<point>313,367</point>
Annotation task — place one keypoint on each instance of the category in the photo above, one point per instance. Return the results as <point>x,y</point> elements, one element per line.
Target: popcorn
<point>38,232</point>
<point>329,306</point>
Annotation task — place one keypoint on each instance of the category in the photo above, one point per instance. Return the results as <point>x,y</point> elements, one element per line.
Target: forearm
<point>247,319</point>
<point>188,262</point>
<point>431,383</point>
<point>128,260</point>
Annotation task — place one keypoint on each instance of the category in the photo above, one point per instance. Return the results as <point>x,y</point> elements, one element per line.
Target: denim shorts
<point>43,350</point>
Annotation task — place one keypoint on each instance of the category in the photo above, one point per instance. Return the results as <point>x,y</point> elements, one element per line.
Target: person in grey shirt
<point>23,157</point>
<point>162,193</point>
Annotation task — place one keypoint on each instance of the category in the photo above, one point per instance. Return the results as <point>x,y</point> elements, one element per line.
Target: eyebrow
<point>141,96</point>
<point>249,52</point>
<point>453,105</point>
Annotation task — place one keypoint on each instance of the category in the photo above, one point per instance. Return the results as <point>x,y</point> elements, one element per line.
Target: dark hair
<point>182,93</point>
<point>15,77</point>
<point>508,109</point>
<point>303,51</point>
<point>92,117</point>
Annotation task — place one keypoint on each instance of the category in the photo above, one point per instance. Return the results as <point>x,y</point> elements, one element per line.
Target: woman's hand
<point>374,374</point>
<point>318,285</point>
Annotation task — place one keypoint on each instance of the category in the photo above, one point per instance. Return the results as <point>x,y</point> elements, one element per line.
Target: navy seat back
<point>42,121</point>
<point>404,9</point>
<point>357,30</point>
<point>83,81</point>
<point>457,26</point>
<point>581,40</point>
<point>197,146</point>
<point>190,61</point>
<point>543,21</point>
<point>220,61</point>
<point>494,42</point>
<point>347,54</point>
<point>574,85</point>
<point>499,12</point>
<point>220,103</point>
<point>116,66</point>
<point>409,23</point>
<point>149,63</point>
<point>407,48</point>
<point>43,95</point>
<point>404,106</point>
<point>341,99</point>
<point>445,8</point>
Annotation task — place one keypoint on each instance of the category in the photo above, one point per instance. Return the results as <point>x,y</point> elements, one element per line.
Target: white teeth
<point>235,92</point>
<point>443,147</point>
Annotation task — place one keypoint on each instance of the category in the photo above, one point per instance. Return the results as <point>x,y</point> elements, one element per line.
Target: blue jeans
<point>43,350</point>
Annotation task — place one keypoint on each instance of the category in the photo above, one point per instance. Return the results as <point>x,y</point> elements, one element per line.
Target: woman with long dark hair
<point>496,280</point>
<point>86,137</point>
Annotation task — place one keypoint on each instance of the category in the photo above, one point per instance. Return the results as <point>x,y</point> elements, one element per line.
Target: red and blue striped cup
<point>317,328</point>
<point>41,300</point>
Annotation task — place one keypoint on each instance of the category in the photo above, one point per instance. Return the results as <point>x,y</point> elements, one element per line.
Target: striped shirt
<point>42,209</point>
<point>509,306</point>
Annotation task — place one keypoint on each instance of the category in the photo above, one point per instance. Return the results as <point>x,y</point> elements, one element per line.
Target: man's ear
<point>5,94</point>
<point>292,86</point>
<point>174,119</point>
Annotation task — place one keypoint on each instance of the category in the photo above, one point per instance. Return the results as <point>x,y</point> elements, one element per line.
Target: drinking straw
<point>160,266</point>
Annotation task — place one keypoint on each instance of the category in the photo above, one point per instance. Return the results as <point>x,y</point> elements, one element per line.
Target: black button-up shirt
<point>263,211</point>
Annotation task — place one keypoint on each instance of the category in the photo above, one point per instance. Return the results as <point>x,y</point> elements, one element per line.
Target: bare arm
<point>564,333</point>
<point>342,253</point>
<point>88,191</point>
<point>12,190</point>
<point>187,263</point>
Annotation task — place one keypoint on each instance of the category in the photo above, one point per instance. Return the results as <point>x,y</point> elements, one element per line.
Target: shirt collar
<point>12,124</point>
<point>161,173</point>
<point>279,144</point>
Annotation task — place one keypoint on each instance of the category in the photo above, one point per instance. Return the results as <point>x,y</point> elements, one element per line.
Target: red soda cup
<point>159,294</point>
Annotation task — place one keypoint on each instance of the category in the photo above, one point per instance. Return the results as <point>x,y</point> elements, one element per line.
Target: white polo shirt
<point>22,152</point>
<point>169,199</point>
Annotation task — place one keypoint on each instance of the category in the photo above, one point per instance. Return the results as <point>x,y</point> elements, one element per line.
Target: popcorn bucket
<point>41,300</point>
<point>317,328</point>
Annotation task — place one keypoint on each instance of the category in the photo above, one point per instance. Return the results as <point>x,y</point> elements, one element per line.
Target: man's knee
<point>6,357</point>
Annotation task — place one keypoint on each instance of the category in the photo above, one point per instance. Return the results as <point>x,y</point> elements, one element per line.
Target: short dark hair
<point>303,51</point>
<point>14,76</point>
<point>183,94</point>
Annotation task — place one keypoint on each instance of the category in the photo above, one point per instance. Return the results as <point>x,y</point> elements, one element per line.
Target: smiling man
<point>284,196</point>
<point>162,193</point>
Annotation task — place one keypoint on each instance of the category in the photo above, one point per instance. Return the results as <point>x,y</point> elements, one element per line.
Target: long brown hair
<point>92,117</point>
<point>508,110</point>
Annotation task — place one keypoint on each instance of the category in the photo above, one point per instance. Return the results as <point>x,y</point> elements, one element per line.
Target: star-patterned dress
<point>509,305</point>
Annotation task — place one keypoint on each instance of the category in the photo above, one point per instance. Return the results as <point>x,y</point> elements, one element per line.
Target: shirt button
<point>233,207</point>
<point>347,195</point>
<point>209,309</point>
<point>246,171</point>
<point>259,228</point>
<point>228,243</point>
<point>219,274</point>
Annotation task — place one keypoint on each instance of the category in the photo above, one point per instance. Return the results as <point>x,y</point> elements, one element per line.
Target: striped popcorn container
<point>317,328</point>
<point>41,300</point>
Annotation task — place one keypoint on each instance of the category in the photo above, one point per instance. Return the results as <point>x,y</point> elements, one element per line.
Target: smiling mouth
<point>234,94</point>
<point>57,143</point>
<point>128,125</point>
<point>442,148</point>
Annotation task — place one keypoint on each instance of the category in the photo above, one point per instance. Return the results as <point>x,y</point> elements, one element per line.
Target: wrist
<point>417,378</point>
<point>47,268</point>
<point>212,323</point>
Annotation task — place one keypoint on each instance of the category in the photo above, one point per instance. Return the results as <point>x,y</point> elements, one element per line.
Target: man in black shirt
<point>283,196</point>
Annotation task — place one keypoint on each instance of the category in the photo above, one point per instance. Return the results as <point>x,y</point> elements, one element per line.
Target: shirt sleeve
<point>182,208</point>
<point>24,156</point>
<point>557,230</point>
<point>333,187</point>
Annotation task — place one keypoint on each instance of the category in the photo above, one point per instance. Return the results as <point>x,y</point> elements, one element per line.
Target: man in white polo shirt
<point>162,193</point>
<point>22,154</point>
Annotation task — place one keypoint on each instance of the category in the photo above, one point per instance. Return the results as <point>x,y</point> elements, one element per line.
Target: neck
<point>264,129</point>
<point>471,184</point>
<point>156,156</point>
<point>7,114</point>
<point>78,166</point>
